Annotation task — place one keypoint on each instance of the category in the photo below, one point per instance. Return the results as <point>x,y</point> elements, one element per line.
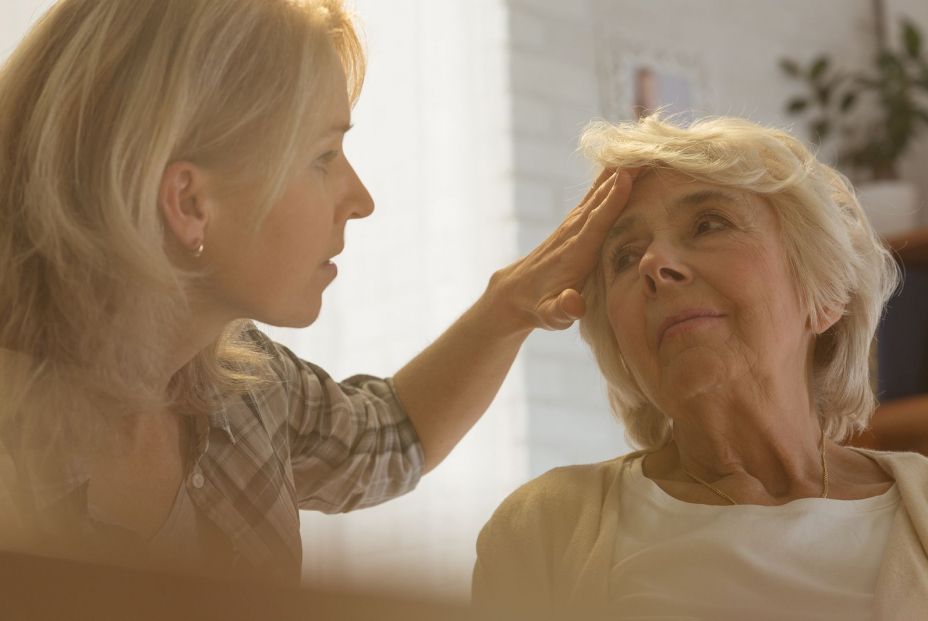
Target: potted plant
<point>871,137</point>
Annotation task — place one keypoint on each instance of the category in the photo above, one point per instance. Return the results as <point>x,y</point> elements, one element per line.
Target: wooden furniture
<point>34,588</point>
<point>911,248</point>
<point>902,424</point>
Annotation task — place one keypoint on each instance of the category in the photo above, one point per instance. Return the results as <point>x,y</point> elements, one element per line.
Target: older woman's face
<point>699,293</point>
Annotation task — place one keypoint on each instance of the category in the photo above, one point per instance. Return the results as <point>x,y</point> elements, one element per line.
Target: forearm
<point>449,386</point>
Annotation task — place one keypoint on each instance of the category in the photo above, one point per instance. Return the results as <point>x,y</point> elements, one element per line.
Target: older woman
<point>731,314</point>
<point>169,170</point>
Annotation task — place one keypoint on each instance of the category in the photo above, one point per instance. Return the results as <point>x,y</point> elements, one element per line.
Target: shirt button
<point>197,480</point>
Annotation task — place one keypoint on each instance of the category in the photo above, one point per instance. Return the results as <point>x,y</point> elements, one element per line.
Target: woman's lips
<point>330,269</point>
<point>682,322</point>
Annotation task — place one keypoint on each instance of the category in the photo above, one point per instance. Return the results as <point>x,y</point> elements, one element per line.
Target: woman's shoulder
<point>561,493</point>
<point>905,463</point>
<point>287,370</point>
<point>909,470</point>
<point>274,352</point>
<point>576,478</point>
<point>285,364</point>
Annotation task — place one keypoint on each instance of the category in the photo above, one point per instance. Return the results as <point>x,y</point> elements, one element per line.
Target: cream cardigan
<point>548,545</point>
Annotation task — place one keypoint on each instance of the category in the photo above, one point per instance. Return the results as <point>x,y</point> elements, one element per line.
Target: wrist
<point>500,310</point>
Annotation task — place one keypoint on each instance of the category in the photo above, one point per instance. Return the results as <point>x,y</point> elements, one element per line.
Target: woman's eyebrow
<point>621,227</point>
<point>706,196</point>
<point>624,225</point>
<point>338,128</point>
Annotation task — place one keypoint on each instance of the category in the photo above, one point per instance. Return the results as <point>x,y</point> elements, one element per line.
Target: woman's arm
<point>447,387</point>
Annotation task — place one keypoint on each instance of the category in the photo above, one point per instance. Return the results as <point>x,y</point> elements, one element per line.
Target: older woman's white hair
<point>836,258</point>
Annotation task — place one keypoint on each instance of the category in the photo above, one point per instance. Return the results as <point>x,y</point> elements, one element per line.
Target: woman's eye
<point>322,163</point>
<point>622,258</point>
<point>711,222</point>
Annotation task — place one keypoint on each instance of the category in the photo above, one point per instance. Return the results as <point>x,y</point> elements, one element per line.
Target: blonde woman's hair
<point>95,102</point>
<point>836,259</point>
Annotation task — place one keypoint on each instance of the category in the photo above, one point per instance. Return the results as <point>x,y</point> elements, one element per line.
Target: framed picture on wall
<point>637,78</point>
<point>654,88</point>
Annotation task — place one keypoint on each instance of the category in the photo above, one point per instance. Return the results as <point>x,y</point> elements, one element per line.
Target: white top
<point>809,559</point>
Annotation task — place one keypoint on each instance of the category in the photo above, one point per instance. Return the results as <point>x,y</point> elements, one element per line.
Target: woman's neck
<point>770,444</point>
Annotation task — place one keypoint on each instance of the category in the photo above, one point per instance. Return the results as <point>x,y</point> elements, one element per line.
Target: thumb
<point>571,304</point>
<point>561,312</point>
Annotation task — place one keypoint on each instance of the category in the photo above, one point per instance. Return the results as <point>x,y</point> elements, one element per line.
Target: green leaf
<point>790,67</point>
<point>818,67</point>
<point>890,65</point>
<point>797,105</point>
<point>848,101</point>
<point>921,79</point>
<point>912,39</point>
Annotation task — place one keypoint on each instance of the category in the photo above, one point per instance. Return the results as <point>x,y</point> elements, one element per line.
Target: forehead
<point>333,98</point>
<point>669,188</point>
<point>660,194</point>
<point>327,113</point>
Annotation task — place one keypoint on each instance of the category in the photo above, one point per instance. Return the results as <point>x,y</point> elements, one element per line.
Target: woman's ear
<point>826,319</point>
<point>182,201</point>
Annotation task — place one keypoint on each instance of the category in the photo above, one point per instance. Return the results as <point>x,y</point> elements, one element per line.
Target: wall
<point>431,140</point>
<point>568,66</point>
<point>16,16</point>
<point>432,143</point>
<point>554,93</point>
<point>465,135</point>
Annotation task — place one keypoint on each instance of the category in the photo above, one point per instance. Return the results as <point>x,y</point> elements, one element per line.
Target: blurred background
<point>466,135</point>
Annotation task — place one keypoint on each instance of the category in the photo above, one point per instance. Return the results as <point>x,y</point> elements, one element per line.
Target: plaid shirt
<point>307,442</point>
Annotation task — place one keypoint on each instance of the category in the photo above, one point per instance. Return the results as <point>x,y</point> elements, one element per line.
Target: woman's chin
<point>694,371</point>
<point>298,318</point>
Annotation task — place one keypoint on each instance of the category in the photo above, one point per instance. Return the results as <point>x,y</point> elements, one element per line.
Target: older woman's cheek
<point>639,360</point>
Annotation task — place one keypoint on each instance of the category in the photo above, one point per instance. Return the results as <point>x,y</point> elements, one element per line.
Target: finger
<point>576,220</point>
<point>603,176</point>
<point>621,176</point>
<point>632,173</point>
<point>571,304</point>
<point>602,190</point>
<point>554,321</point>
<point>602,218</point>
<point>579,214</point>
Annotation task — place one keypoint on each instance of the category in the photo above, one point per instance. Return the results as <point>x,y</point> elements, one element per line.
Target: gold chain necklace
<point>722,494</point>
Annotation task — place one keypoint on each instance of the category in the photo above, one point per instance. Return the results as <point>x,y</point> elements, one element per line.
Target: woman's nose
<point>357,202</point>
<point>661,267</point>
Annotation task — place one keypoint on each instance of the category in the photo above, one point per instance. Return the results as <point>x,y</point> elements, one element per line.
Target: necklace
<point>722,494</point>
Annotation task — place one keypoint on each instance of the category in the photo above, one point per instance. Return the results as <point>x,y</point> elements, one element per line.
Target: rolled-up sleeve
<point>351,443</point>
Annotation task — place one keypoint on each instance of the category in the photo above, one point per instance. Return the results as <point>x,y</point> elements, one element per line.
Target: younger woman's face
<point>278,274</point>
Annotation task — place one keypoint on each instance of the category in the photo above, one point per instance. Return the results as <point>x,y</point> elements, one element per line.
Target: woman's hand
<point>541,290</point>
<point>447,387</point>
